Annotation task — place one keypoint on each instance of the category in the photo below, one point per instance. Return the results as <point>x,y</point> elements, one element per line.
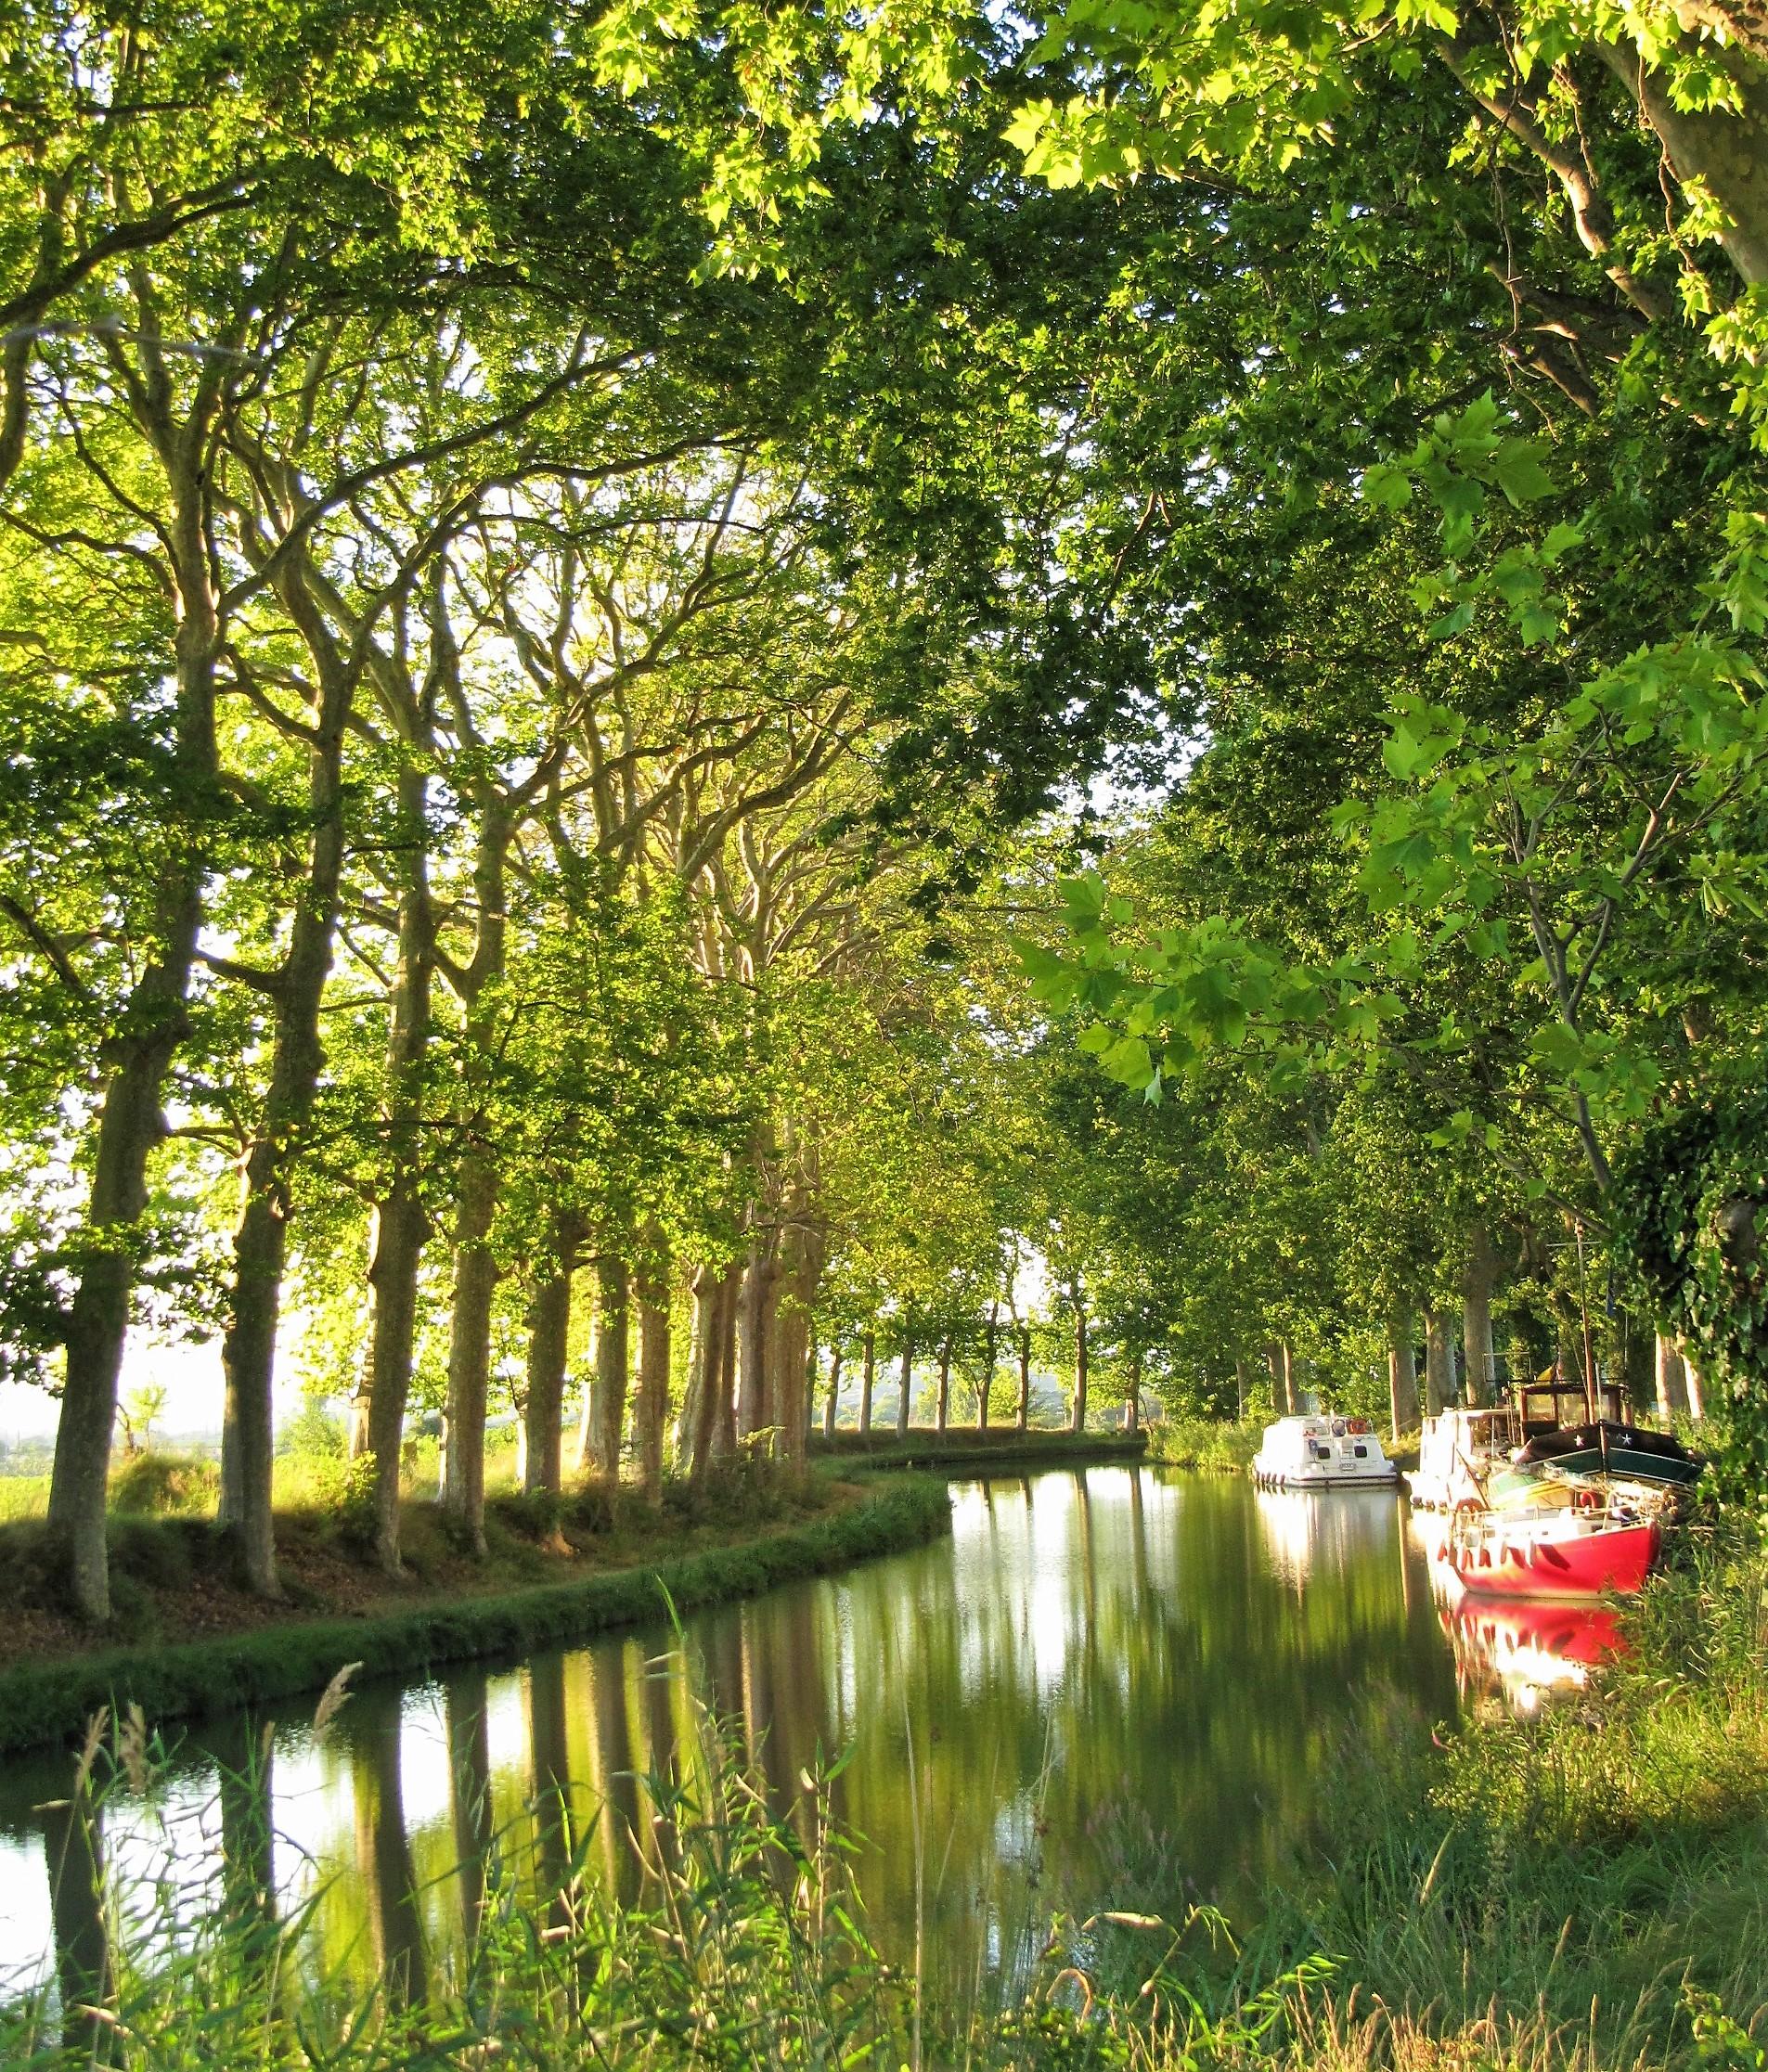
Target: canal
<point>1117,1687</point>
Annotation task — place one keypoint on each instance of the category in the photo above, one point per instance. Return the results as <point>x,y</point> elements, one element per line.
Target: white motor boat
<point>1321,1452</point>
<point>1457,1451</point>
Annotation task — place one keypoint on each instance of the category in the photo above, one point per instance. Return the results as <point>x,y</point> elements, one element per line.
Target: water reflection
<point>1116,1688</point>
<point>1526,1653</point>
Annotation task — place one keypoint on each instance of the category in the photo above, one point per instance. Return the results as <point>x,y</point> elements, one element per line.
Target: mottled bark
<point>1673,1395</point>
<point>136,1057</point>
<point>942,1401</point>
<point>249,1344</point>
<point>831,1401</point>
<point>475,1284</point>
<point>1080,1418</point>
<point>402,1227</point>
<point>1402,1375</point>
<point>1439,1380</point>
<point>652,1407</point>
<point>905,1394</point>
<point>868,1375</point>
<point>724,1430</point>
<point>613,1366</point>
<point>1023,1416</point>
<point>990,1353</point>
<point>548,1337</point>
<point>1478,1278</point>
<point>757,1410</point>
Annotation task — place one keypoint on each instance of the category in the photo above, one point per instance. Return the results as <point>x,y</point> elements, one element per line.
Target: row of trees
<point>547,569</point>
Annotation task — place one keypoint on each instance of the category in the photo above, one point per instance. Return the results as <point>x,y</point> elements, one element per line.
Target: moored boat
<point>1625,1452</point>
<point>1321,1452</point>
<point>1551,1552</point>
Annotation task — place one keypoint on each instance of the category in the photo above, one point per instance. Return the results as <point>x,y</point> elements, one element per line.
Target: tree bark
<point>799,1269</point>
<point>1478,1278</point>
<point>653,1406</point>
<point>260,1250</point>
<point>401,1225</point>
<point>1696,1384</point>
<point>476,1283</point>
<point>1439,1385</point>
<point>906,1391</point>
<point>613,1366</point>
<point>1132,1399</point>
<point>724,1430</point>
<point>548,1337</point>
<point>943,1402</point>
<point>138,1055</point>
<point>990,1352</point>
<point>1079,1420</point>
<point>1672,1395</point>
<point>1023,1417</point>
<point>1402,1375</point>
<point>867,1375</point>
<point>832,1402</point>
<point>757,1410</point>
<point>1727,152</point>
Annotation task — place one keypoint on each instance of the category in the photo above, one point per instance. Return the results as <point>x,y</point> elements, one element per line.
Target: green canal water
<point>1108,1687</point>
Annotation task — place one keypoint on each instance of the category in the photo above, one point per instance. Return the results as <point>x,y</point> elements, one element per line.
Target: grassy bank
<point>49,1700</point>
<point>1212,1444</point>
<point>1001,1446</point>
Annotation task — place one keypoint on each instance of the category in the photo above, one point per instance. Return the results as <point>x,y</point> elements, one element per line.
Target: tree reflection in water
<point>1126,1688</point>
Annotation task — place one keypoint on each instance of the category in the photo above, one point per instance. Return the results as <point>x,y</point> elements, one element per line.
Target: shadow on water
<point>1121,1687</point>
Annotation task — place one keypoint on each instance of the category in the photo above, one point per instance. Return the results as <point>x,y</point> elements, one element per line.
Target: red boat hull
<point>1618,1558</point>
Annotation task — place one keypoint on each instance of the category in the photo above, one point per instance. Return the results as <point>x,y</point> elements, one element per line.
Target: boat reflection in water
<point>1305,1531</point>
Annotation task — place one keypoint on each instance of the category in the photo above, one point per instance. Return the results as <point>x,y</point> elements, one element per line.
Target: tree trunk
<point>1023,1417</point>
<point>1277,1360</point>
<point>724,1430</point>
<point>1478,1279</point>
<point>1728,153</point>
<point>476,1283</point>
<point>990,1352</point>
<point>943,1404</point>
<point>1132,1398</point>
<point>907,1390</point>
<point>1243,1384</point>
<point>135,1058</point>
<point>613,1366</point>
<point>1672,1395</point>
<point>1696,1384</point>
<point>401,1225</point>
<point>757,1410</point>
<point>1402,1376</point>
<point>693,1428</point>
<point>1440,1382</point>
<point>832,1402</point>
<point>653,1407</point>
<point>1079,1420</point>
<point>800,1268</point>
<point>249,1345</point>
<point>548,1337</point>
<point>867,1374</point>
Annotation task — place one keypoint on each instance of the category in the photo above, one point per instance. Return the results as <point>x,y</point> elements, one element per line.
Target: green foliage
<point>1687,1208</point>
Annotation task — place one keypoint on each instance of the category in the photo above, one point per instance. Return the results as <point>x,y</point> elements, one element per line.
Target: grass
<point>48,1701</point>
<point>1206,1442</point>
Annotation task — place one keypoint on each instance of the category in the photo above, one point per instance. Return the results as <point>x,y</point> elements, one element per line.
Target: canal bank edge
<point>43,1704</point>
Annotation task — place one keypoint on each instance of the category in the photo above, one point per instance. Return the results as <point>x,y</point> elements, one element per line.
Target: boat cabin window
<point>1362,1452</point>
